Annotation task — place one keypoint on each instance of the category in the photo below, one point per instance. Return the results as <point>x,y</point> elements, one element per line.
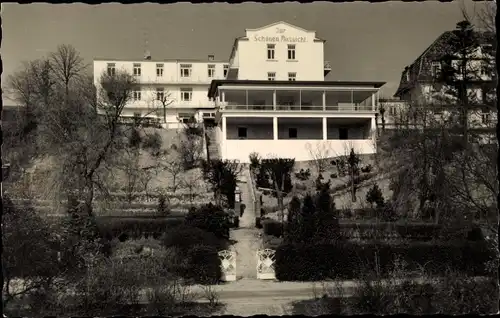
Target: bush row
<point>349,260</point>
<point>136,227</point>
<point>366,231</point>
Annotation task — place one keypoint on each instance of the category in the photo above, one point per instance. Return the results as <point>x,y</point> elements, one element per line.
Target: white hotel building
<point>271,98</point>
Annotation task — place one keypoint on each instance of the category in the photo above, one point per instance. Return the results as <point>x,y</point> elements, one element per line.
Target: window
<point>292,133</point>
<point>343,133</point>
<point>186,94</point>
<point>408,76</point>
<point>137,69</point>
<point>160,94</point>
<point>211,70</point>
<point>292,76</point>
<point>270,51</point>
<point>291,51</point>
<point>242,132</point>
<point>435,68</point>
<point>271,76</point>
<point>185,70</point>
<point>485,115</point>
<point>137,94</point>
<point>484,69</point>
<point>226,68</point>
<point>159,70</point>
<point>111,69</point>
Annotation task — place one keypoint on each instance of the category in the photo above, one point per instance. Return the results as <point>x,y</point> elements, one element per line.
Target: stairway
<point>213,143</point>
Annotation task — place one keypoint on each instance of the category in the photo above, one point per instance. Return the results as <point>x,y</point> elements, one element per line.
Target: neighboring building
<point>395,113</point>
<point>181,84</point>
<point>276,102</point>
<point>424,87</point>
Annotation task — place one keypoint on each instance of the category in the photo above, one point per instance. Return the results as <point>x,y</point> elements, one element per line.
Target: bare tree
<point>133,173</point>
<point>175,168</point>
<point>320,155</point>
<point>67,66</point>
<point>191,183</point>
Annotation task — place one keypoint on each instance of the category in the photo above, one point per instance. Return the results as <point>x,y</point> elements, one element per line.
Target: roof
<point>160,60</point>
<point>415,69</point>
<point>216,83</point>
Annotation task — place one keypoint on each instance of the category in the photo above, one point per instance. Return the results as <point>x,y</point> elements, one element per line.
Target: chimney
<point>211,57</point>
<point>147,55</point>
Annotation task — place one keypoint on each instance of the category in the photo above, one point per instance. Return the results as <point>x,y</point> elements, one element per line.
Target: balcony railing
<point>337,108</point>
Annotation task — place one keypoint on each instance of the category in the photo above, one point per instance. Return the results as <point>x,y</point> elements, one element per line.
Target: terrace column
<point>324,100</point>
<point>224,130</point>
<point>274,100</point>
<point>374,102</point>
<point>325,132</point>
<point>275,128</point>
<point>373,128</point>
<point>223,96</point>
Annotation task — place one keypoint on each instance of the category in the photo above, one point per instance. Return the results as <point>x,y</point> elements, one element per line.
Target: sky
<point>365,41</point>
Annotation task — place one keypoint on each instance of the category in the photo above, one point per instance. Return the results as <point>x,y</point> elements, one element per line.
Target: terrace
<point>270,96</point>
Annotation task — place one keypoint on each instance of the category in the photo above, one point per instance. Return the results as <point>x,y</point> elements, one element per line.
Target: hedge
<point>348,260</point>
<point>185,237</point>
<point>202,265</point>
<point>135,227</point>
<point>272,227</point>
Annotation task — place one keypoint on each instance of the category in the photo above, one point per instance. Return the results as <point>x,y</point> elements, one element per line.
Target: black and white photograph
<point>210,159</point>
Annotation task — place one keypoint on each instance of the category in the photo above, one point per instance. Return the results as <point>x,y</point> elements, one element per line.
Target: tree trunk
<point>353,191</point>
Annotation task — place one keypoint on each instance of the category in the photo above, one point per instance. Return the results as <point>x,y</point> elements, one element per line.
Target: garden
<point>142,268</point>
<point>316,241</point>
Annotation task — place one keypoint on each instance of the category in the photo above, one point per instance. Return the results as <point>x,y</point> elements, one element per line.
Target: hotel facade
<point>271,97</point>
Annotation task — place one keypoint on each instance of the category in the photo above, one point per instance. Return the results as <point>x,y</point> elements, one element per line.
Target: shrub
<point>204,265</point>
<point>258,223</point>
<point>222,175</point>
<point>254,160</point>
<point>153,142</point>
<point>475,234</point>
<point>210,218</point>
<point>163,208</point>
<point>272,227</point>
<point>303,174</point>
<point>135,138</point>
<point>108,287</point>
<point>262,178</point>
<point>184,237</point>
<point>374,196</point>
<point>367,169</point>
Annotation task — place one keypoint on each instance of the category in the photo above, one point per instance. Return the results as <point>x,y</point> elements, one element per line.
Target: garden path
<point>247,236</point>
